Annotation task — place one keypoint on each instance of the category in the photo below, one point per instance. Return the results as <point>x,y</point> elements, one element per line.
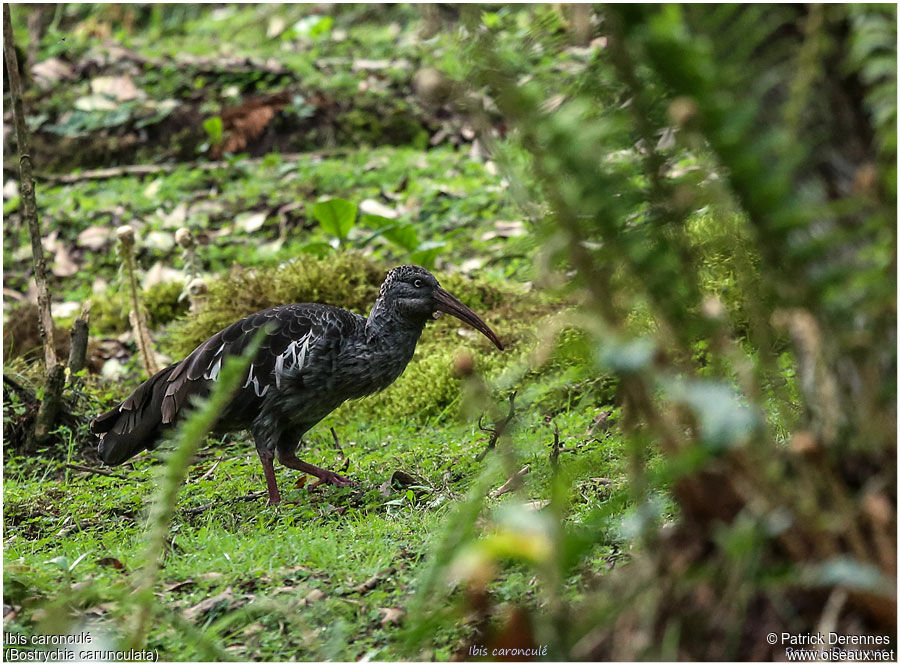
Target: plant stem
<point>46,417</point>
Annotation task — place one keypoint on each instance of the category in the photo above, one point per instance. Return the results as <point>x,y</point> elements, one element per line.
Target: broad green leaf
<point>319,249</point>
<point>404,235</point>
<point>214,129</point>
<point>427,252</point>
<point>336,216</point>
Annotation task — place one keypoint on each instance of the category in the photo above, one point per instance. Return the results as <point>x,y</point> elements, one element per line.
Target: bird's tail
<point>134,425</point>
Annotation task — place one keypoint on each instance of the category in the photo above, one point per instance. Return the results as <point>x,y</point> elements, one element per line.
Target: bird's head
<point>415,293</point>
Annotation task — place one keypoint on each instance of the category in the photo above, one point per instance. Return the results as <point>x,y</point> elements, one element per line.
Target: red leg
<point>269,471</point>
<point>324,475</point>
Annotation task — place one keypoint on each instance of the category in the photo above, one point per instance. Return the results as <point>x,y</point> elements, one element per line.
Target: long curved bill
<point>447,303</point>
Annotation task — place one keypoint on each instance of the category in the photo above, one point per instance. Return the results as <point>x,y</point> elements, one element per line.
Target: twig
<point>337,444</point>
<point>213,504</point>
<point>48,410</point>
<point>208,471</point>
<point>153,169</point>
<point>512,483</point>
<point>24,392</point>
<point>498,429</point>
<point>373,581</point>
<point>136,316</point>
<point>78,339</point>
<point>101,472</point>
<point>554,451</point>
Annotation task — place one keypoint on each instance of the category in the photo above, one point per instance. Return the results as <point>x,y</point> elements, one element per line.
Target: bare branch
<point>499,427</point>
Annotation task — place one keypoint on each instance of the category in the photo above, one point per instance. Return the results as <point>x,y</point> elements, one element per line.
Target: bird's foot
<point>331,478</point>
<point>324,475</point>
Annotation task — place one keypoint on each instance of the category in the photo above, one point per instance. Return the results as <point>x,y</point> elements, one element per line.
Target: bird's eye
<point>418,283</point>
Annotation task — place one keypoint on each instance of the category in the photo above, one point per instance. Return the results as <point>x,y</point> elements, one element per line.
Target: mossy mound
<point>109,312</point>
<point>352,281</point>
<point>347,280</point>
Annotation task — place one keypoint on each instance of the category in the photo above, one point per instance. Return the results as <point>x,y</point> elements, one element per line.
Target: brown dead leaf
<point>160,273</point>
<point>373,581</point>
<point>10,189</point>
<point>50,241</point>
<point>101,609</point>
<point>63,310</point>
<point>514,482</point>
<point>403,479</point>
<point>111,561</point>
<point>373,207</point>
<point>119,88</point>
<point>246,122</point>
<point>210,576</point>
<point>47,73</point>
<point>95,237</point>
<point>313,596</point>
<point>506,230</point>
<point>251,221</point>
<point>391,615</point>
<point>225,599</point>
<point>63,265</point>
<point>178,586</point>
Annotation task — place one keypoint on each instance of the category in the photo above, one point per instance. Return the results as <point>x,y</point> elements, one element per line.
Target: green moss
<point>109,312</point>
<point>348,280</point>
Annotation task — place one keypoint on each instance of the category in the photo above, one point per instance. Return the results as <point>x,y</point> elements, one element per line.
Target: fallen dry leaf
<point>514,482</point>
<point>10,611</point>
<point>373,207</point>
<point>391,615</point>
<point>47,73</point>
<point>174,219</point>
<point>63,310</point>
<point>120,88</point>
<point>159,274</point>
<point>506,230</point>
<point>373,581</point>
<point>63,265</point>
<point>178,586</point>
<point>251,221</point>
<point>212,575</point>
<point>162,241</point>
<point>95,237</point>
<point>314,596</point>
<point>111,561</point>
<point>225,598</point>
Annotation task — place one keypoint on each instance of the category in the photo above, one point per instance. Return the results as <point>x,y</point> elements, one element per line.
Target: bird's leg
<point>266,458</point>
<point>324,475</point>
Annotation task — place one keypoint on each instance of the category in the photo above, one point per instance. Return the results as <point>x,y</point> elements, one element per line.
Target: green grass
<point>268,561</point>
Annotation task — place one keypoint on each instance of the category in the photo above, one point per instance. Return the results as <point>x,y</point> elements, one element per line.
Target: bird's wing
<point>293,334</point>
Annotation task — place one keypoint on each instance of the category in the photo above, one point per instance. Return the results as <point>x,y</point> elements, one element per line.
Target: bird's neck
<point>386,322</point>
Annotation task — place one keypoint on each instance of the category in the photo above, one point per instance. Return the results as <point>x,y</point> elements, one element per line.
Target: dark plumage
<point>312,359</point>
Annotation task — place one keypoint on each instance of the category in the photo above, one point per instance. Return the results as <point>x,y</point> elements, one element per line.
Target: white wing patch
<point>212,372</point>
<point>255,381</point>
<point>293,358</point>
